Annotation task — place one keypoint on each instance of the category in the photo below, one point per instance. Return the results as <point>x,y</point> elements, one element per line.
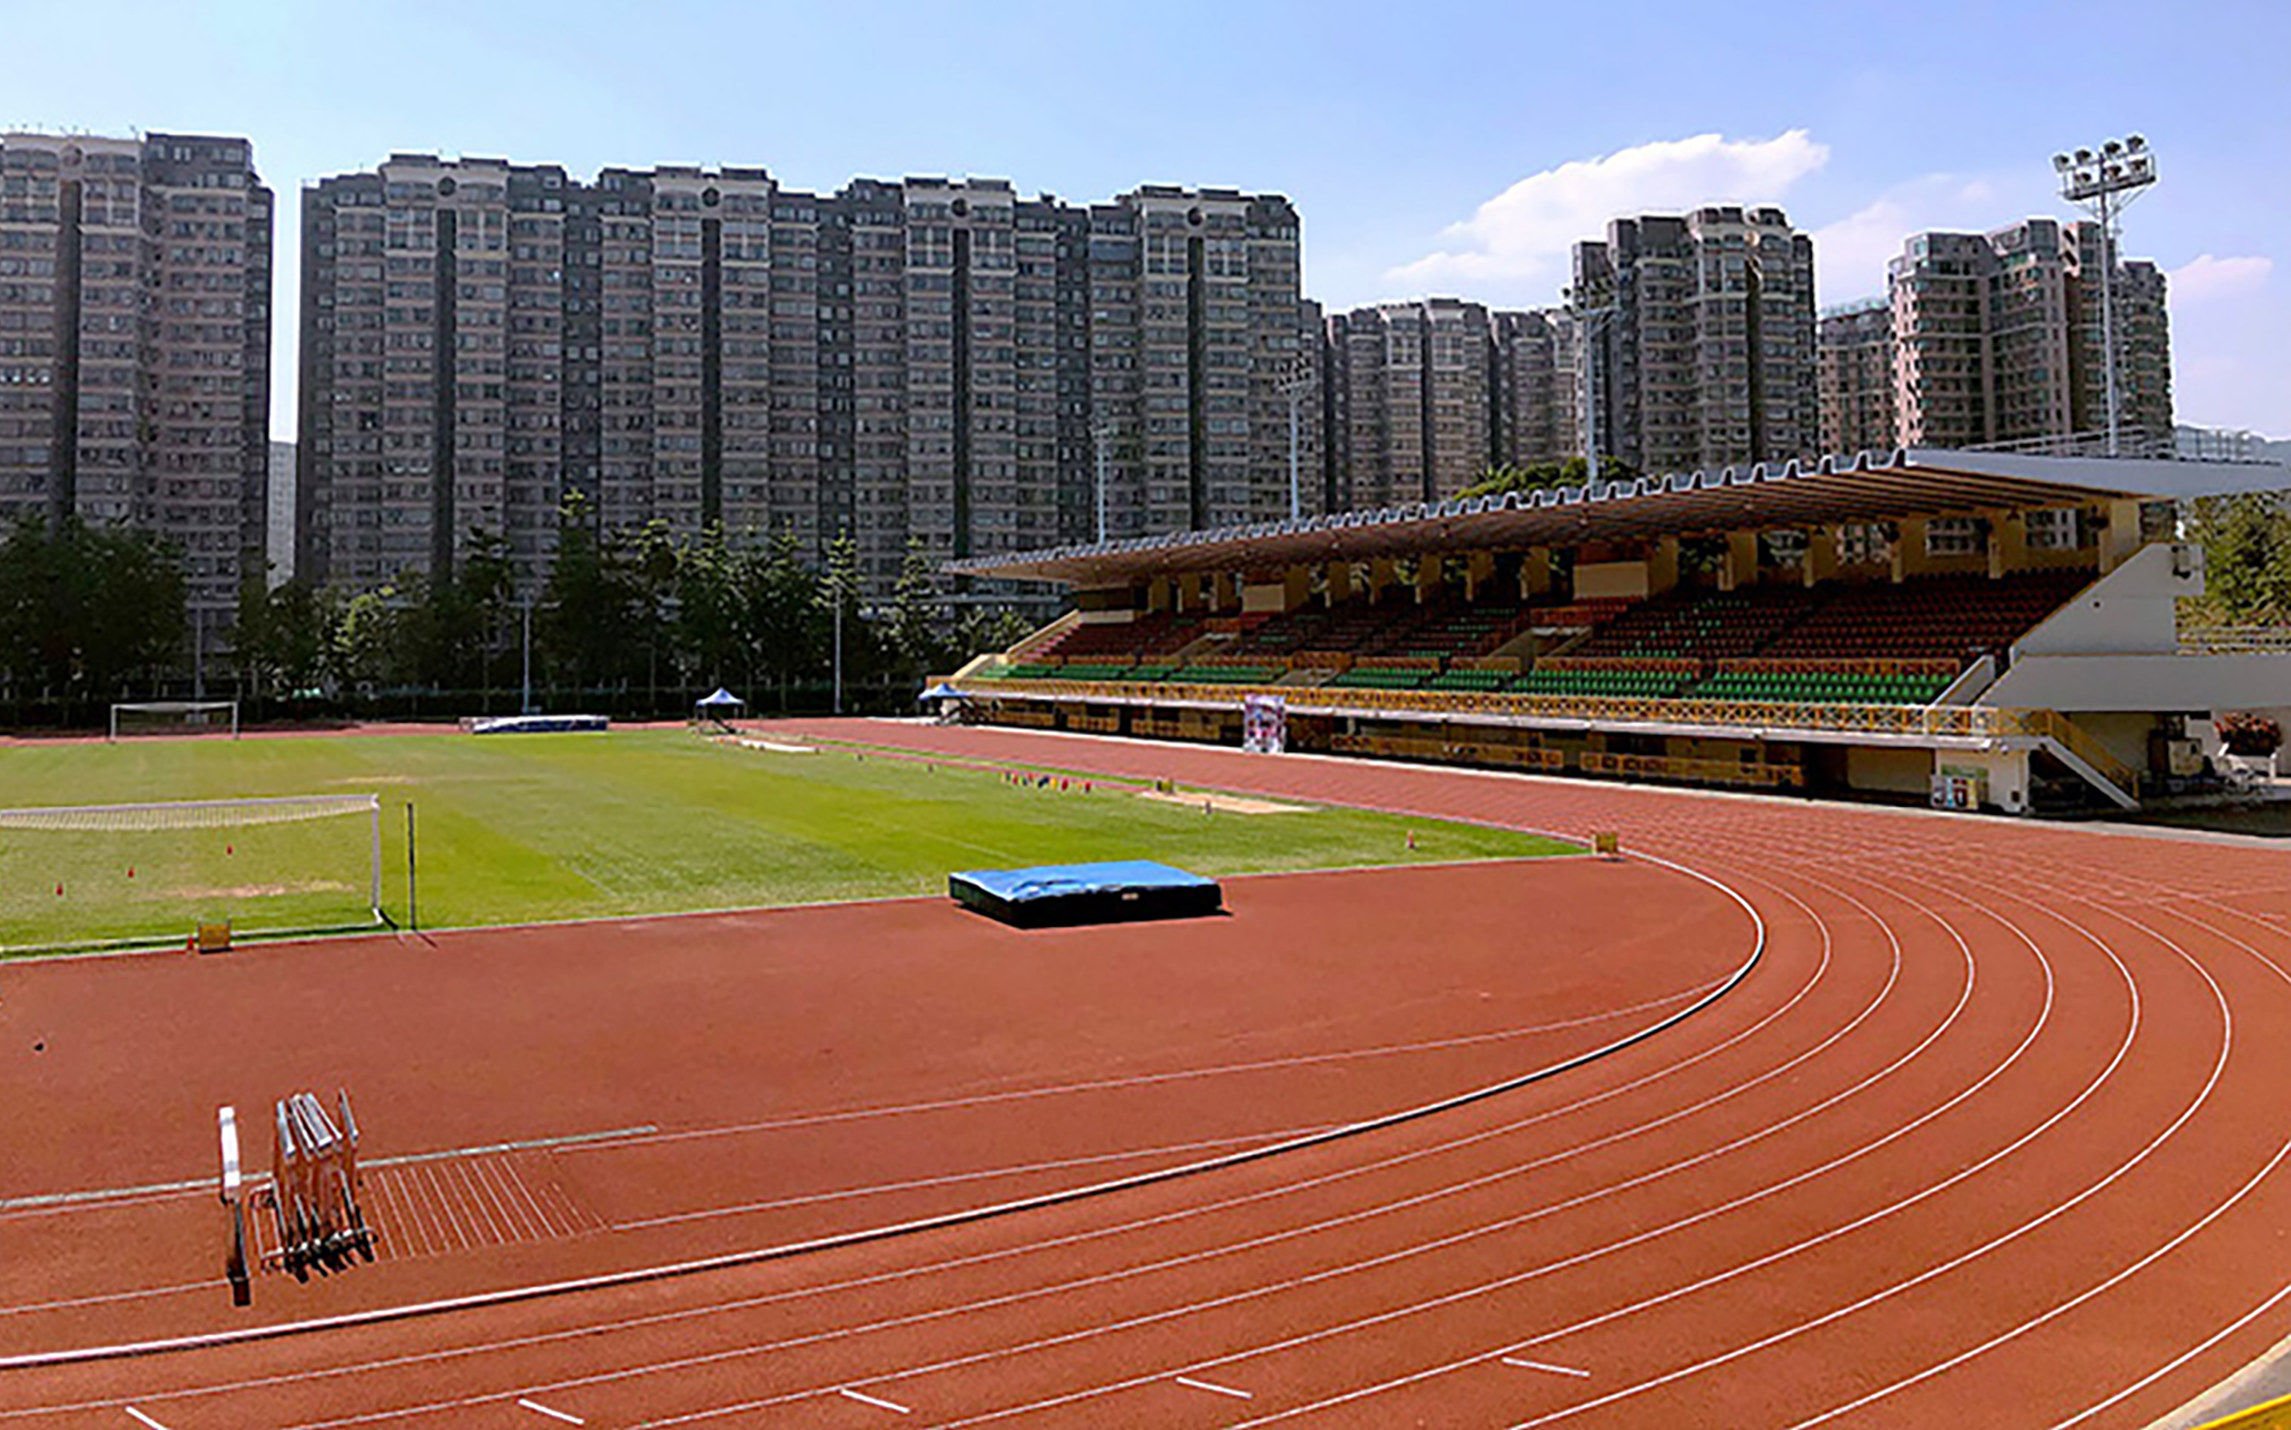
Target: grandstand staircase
<point>2069,743</point>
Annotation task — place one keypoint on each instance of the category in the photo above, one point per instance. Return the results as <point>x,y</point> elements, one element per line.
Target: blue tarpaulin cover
<point>1056,880</point>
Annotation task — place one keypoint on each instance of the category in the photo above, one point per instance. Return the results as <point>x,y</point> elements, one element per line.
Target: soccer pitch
<point>517,828</point>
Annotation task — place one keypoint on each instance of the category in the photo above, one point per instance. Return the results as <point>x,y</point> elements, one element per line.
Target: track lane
<point>2195,1172</point>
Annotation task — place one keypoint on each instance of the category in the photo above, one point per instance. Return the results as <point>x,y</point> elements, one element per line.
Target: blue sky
<point>1431,147</point>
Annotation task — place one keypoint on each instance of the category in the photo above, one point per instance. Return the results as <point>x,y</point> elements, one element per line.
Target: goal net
<point>175,717</point>
<point>80,876</point>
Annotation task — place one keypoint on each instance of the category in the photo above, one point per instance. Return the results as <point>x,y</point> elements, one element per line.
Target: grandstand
<point>1975,628</point>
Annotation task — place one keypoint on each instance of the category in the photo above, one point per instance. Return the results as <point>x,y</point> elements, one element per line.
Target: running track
<point>1990,1136</point>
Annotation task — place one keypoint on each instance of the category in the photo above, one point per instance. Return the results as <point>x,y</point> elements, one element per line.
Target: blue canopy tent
<point>945,701</point>
<point>717,708</point>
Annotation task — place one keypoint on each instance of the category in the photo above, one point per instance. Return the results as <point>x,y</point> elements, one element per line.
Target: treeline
<point>87,612</point>
<point>1539,476</point>
<point>2247,558</point>
<point>632,622</point>
<point>643,613</point>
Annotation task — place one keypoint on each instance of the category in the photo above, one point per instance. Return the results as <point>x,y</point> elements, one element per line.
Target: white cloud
<point>2204,278</point>
<point>1519,240</point>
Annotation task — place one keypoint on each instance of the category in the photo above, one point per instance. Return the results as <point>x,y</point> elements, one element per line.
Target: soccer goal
<point>82,876</point>
<point>174,717</point>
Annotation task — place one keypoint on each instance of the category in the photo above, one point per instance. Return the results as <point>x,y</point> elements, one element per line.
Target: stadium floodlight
<point>174,717</point>
<point>2102,183</point>
<point>88,875</point>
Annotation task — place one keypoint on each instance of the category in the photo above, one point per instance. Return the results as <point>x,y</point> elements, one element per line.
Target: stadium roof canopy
<point>1870,486</point>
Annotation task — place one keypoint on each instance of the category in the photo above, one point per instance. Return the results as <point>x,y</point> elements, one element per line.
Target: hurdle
<point>235,1266</point>
<point>316,1196</point>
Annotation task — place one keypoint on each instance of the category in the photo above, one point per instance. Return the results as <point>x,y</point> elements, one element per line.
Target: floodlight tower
<point>2103,182</point>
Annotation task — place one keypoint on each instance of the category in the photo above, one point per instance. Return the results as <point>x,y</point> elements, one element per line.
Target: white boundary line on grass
<point>256,941</point>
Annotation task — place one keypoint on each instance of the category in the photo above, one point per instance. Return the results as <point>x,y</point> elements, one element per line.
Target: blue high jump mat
<point>1061,894</point>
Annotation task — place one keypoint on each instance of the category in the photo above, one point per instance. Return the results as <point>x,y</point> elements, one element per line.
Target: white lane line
<point>1214,1389</point>
<point>144,1419</point>
<point>863,1399</point>
<point>1764,1021</point>
<point>539,1409</point>
<point>612,1142</point>
<point>202,1184</point>
<point>984,1174</point>
<point>1541,1365</point>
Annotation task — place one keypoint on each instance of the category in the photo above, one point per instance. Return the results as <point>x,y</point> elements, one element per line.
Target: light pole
<point>835,582</point>
<point>1591,311</point>
<point>1296,384</point>
<point>525,685</point>
<point>1101,433</point>
<point>2093,181</point>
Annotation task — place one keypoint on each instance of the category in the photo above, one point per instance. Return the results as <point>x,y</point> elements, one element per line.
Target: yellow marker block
<point>215,938</point>
<point>1607,842</point>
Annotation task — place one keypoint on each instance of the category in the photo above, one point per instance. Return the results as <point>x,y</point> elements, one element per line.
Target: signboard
<point>1264,724</point>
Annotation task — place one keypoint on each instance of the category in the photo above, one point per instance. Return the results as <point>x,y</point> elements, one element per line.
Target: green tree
<point>839,587</point>
<point>2247,557</point>
<point>455,627</point>
<point>984,629</point>
<point>710,624</point>
<point>366,645</point>
<point>589,628</point>
<point>783,605</point>
<point>283,635</point>
<point>85,610</point>
<point>1538,476</point>
<point>916,628</point>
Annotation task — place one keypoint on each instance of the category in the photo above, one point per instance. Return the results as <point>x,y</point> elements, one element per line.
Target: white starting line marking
<point>890,1405</point>
<point>539,1409</point>
<point>1539,1365</point>
<point>1214,1389</point>
<point>143,1419</point>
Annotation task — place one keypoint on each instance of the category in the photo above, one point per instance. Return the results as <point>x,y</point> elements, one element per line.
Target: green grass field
<point>517,828</point>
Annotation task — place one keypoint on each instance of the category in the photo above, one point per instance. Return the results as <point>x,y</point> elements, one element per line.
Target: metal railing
<point>2130,442</point>
<point>2235,640</point>
<point>1914,721</point>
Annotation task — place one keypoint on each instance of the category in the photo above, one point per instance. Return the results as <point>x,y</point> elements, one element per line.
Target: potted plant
<point>2250,735</point>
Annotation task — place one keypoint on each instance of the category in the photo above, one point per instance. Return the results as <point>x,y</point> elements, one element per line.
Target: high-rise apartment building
<point>1193,324</point>
<point>932,361</point>
<point>1996,337</point>
<point>482,341</point>
<point>1537,388</point>
<point>1939,300</point>
<point>2143,344</point>
<point>1415,399</point>
<point>1709,358</point>
<point>1855,373</point>
<point>135,284</point>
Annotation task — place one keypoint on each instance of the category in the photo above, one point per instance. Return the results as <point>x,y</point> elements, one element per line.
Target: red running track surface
<point>1989,1135</point>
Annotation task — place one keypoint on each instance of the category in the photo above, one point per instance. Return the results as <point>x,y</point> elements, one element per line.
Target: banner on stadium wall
<point>1264,724</point>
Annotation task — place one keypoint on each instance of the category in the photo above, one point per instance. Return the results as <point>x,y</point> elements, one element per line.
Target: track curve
<point>1988,1135</point>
